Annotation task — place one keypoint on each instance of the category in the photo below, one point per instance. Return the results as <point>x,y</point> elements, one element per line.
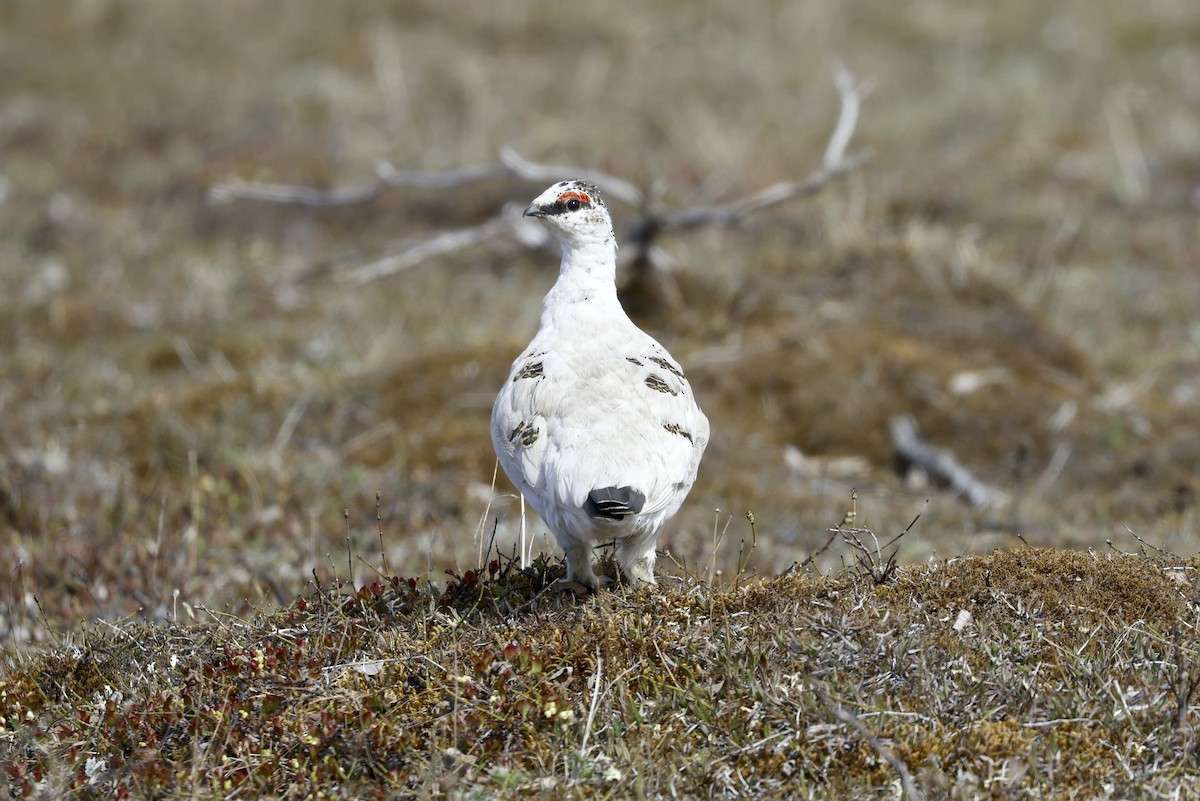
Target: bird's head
<point>574,212</point>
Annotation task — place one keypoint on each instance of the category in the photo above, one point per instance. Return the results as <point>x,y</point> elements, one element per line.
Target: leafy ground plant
<point>1034,673</point>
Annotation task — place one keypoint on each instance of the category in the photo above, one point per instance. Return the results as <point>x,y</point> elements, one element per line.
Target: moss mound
<point>1072,675</point>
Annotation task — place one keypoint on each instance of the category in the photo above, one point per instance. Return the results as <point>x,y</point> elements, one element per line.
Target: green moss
<point>492,681</point>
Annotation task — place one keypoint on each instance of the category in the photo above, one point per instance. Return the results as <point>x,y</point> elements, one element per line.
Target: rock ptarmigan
<point>596,424</point>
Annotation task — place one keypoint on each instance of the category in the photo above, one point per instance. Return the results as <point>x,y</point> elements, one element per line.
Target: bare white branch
<point>610,185</point>
<point>391,178</point>
<point>651,223</point>
<point>448,179</point>
<point>851,95</point>
<point>388,178</point>
<point>295,195</point>
<point>907,781</point>
<point>940,463</point>
<point>446,242</point>
<point>834,164</point>
<point>735,211</point>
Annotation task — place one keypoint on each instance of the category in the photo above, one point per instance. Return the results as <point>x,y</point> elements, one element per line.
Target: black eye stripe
<point>559,207</point>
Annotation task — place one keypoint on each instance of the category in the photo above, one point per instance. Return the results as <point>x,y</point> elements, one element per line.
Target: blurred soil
<point>191,393</point>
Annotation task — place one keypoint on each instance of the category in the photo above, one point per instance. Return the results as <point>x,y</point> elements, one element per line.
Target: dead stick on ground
<point>939,463</point>
<point>849,718</point>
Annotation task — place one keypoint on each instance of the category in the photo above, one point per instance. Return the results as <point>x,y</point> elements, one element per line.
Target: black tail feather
<point>613,503</point>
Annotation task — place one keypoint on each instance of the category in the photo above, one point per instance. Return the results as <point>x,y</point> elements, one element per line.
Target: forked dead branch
<point>651,222</point>
<point>941,464</point>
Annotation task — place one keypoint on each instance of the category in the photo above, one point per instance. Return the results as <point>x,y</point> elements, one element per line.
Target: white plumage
<point>596,424</point>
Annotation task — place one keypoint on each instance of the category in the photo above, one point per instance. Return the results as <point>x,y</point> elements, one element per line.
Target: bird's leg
<point>579,564</point>
<point>635,555</point>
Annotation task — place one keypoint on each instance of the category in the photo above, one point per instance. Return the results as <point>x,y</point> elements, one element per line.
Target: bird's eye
<point>573,204</point>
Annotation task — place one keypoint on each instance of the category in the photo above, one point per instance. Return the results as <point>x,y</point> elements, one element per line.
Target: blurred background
<point>191,393</point>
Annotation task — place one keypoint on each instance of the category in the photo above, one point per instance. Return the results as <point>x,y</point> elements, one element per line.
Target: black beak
<point>533,211</point>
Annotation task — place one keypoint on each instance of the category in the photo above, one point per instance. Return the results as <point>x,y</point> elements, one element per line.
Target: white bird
<point>596,424</point>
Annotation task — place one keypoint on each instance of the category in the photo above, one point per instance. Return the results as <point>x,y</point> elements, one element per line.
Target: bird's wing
<point>616,413</point>
<point>519,429</point>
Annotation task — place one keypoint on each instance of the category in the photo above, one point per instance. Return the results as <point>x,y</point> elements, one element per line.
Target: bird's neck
<point>588,275</point>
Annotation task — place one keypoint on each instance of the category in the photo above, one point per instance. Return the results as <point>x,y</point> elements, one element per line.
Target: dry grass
<point>190,397</point>
<point>1072,679</point>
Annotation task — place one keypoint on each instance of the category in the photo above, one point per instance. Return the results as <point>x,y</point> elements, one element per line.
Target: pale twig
<point>587,727</point>
<point>387,177</point>
<point>879,568</point>
<point>609,185</point>
<point>735,211</point>
<point>718,538</point>
<point>443,243</point>
<point>1058,460</point>
<point>907,529</point>
<point>846,716</point>
<point>851,95</point>
<point>940,463</point>
<point>288,427</point>
<point>524,552</point>
<point>835,163</point>
<point>1147,544</point>
<point>812,556</point>
<point>295,195</point>
<point>486,511</point>
<point>448,179</point>
<point>1130,156</point>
